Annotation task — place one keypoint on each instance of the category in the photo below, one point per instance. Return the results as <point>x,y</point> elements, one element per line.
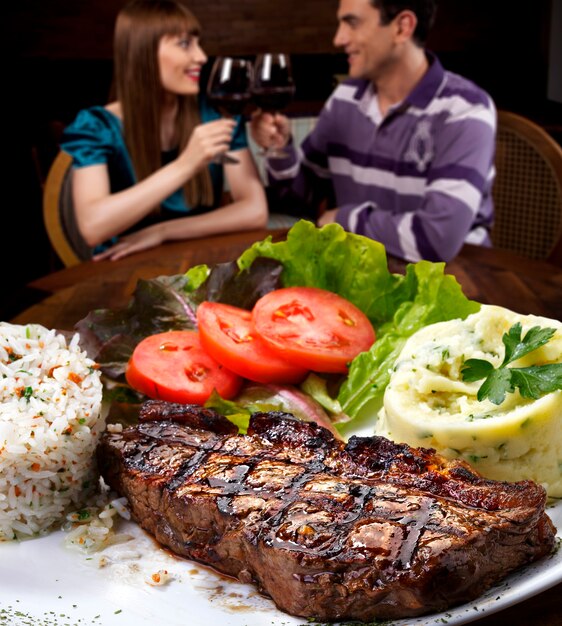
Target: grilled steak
<point>366,530</point>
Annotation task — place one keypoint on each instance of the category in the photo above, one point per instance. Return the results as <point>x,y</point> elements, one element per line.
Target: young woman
<point>144,166</point>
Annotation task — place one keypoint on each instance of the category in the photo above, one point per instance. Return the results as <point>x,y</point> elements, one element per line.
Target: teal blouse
<point>96,137</point>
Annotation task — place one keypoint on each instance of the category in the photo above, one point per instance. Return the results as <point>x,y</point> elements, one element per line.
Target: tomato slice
<point>226,334</point>
<point>312,328</point>
<point>173,366</point>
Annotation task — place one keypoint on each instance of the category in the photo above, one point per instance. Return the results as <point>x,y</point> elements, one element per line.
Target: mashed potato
<point>428,404</point>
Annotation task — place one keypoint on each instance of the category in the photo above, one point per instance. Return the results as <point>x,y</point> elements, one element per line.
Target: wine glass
<point>228,89</point>
<point>273,87</point>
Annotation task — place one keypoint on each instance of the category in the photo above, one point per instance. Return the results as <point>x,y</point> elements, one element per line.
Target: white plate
<point>45,584</point>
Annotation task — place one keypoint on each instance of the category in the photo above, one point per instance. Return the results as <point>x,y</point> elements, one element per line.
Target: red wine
<point>273,98</point>
<point>229,103</point>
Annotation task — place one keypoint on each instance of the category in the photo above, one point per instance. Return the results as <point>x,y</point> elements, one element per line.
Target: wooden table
<point>489,276</point>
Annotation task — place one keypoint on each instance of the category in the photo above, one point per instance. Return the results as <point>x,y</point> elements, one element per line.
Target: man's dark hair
<point>424,10</point>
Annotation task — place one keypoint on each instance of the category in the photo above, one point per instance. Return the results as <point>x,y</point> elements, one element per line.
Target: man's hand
<point>270,130</point>
<point>327,218</point>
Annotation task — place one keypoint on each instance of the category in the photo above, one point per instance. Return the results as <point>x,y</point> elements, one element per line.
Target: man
<point>403,148</point>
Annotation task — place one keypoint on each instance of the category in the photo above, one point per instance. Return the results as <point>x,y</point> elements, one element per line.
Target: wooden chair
<point>528,190</point>
<point>58,214</point>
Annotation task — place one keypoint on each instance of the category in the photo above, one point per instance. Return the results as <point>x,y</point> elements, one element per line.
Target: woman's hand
<point>270,130</point>
<point>144,239</point>
<point>207,141</point>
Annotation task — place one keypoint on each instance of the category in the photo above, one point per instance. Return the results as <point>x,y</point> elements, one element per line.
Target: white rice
<point>94,527</point>
<point>50,423</point>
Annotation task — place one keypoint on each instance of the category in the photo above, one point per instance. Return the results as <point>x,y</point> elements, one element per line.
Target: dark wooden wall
<point>84,28</point>
<point>62,63</point>
<point>508,56</point>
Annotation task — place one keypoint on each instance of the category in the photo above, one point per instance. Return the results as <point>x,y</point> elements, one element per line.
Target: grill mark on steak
<point>366,530</point>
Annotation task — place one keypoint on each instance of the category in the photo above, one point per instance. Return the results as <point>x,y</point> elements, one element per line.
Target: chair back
<point>527,191</point>
<point>58,213</point>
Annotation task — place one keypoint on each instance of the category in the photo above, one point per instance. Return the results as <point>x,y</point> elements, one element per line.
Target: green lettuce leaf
<point>432,296</point>
<point>236,412</point>
<point>317,388</point>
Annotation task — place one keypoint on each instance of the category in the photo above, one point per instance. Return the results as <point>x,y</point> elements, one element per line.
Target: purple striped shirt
<point>419,180</point>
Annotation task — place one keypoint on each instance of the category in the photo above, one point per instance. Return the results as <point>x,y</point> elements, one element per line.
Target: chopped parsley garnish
<point>532,382</point>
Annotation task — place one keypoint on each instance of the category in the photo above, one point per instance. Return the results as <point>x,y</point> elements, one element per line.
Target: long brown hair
<point>140,26</point>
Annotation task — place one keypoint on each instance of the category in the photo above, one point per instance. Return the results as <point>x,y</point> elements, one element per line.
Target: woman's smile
<point>194,74</point>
